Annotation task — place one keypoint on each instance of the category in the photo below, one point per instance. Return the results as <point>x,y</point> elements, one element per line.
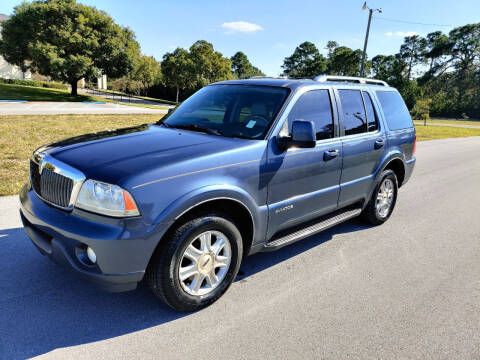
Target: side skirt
<point>310,228</point>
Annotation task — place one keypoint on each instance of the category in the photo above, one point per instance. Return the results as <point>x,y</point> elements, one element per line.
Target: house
<point>9,71</point>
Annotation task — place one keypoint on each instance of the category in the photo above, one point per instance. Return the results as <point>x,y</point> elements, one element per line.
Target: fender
<point>180,206</point>
<point>388,158</point>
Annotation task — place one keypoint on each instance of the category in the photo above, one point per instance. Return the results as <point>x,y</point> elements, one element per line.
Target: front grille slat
<point>52,187</point>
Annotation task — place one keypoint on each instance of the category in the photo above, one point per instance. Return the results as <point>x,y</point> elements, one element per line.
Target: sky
<point>269,31</point>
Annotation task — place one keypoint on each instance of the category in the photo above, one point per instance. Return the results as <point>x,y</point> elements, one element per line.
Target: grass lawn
<point>449,122</point>
<point>140,97</point>
<point>31,93</point>
<point>441,132</point>
<point>20,135</point>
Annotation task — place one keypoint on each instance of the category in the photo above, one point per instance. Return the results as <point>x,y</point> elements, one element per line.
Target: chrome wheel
<point>205,263</point>
<point>385,197</point>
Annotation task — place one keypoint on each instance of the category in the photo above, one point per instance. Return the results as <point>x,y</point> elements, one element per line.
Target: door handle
<point>379,143</point>
<point>330,154</point>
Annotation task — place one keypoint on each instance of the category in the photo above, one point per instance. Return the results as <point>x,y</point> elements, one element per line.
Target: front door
<point>304,183</point>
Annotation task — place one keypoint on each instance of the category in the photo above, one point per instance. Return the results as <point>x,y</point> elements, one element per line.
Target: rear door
<point>363,143</point>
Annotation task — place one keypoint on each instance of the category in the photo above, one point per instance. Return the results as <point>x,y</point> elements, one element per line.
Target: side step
<point>311,228</point>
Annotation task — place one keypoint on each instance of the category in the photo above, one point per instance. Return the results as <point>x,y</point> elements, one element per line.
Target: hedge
<point>35,83</point>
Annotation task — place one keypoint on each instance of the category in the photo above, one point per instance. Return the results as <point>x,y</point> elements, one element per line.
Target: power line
<point>409,22</point>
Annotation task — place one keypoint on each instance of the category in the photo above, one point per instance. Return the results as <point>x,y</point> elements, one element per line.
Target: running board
<point>309,229</point>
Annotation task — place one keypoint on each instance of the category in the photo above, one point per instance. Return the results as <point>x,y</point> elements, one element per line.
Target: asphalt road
<point>407,289</point>
<point>55,108</point>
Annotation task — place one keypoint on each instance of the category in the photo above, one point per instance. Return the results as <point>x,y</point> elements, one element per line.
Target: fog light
<point>91,255</point>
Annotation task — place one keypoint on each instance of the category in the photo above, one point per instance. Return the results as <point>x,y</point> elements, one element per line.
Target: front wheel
<point>383,199</point>
<point>197,264</point>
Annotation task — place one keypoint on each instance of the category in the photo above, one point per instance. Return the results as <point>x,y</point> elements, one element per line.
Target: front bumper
<point>123,246</point>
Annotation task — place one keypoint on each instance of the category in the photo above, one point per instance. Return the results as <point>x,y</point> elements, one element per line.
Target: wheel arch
<point>235,203</point>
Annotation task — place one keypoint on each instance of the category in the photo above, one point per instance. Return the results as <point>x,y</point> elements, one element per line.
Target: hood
<point>111,156</point>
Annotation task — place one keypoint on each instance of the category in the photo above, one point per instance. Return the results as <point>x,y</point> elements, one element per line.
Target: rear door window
<point>372,120</point>
<point>354,117</point>
<point>395,110</point>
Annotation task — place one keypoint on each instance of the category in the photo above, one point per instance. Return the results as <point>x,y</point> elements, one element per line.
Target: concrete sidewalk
<point>55,108</point>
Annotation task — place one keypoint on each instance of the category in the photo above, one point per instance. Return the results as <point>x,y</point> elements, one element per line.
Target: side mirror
<point>170,110</point>
<point>303,134</point>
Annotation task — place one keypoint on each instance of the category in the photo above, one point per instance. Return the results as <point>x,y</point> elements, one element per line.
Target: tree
<point>178,70</point>
<point>412,52</point>
<point>209,65</point>
<point>345,61</point>
<point>465,47</point>
<point>437,45</point>
<point>148,72</point>
<point>67,41</point>
<point>242,68</point>
<point>388,68</point>
<point>331,46</point>
<point>305,62</point>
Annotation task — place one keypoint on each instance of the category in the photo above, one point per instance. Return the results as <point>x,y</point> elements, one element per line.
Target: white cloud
<point>240,26</point>
<point>401,33</point>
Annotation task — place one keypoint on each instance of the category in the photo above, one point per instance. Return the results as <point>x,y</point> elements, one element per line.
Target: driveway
<point>409,289</point>
<point>55,108</point>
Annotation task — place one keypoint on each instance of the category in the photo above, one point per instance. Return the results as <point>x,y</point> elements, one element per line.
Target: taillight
<point>415,145</point>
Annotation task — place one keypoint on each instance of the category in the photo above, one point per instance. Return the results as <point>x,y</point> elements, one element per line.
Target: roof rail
<point>358,80</point>
<point>269,77</point>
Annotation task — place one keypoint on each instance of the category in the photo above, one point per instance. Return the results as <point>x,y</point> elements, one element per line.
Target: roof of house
<point>4,17</point>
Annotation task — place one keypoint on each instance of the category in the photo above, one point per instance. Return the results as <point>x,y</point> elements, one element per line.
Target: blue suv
<point>240,167</point>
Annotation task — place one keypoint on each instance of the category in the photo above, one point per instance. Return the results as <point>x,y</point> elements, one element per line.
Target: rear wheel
<point>383,199</point>
<point>197,264</point>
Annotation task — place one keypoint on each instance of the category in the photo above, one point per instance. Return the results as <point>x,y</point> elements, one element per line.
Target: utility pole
<point>364,55</point>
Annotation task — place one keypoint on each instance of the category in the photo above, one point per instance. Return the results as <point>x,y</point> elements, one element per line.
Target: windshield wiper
<point>195,127</point>
<point>167,125</point>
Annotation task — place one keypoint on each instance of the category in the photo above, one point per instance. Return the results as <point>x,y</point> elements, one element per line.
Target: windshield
<point>243,111</point>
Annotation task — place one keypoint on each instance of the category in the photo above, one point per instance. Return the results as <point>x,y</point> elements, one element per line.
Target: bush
<point>35,83</point>
<point>421,109</point>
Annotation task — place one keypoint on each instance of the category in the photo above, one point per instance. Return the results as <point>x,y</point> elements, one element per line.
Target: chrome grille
<point>35,176</point>
<point>55,188</point>
<point>51,186</point>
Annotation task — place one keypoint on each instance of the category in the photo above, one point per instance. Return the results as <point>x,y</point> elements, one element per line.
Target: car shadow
<point>44,307</point>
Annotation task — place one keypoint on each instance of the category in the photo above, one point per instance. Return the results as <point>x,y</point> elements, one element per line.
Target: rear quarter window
<point>395,110</point>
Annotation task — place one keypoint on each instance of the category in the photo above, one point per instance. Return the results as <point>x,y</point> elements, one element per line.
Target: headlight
<point>106,199</point>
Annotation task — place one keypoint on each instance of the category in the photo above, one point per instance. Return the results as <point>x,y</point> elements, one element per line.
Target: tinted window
<point>354,120</point>
<point>230,110</point>
<point>372,121</point>
<point>395,110</point>
<point>314,106</point>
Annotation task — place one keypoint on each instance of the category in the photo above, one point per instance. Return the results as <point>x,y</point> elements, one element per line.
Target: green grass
<point>139,97</point>
<point>20,135</point>
<point>449,122</point>
<point>441,132</point>
<point>30,93</point>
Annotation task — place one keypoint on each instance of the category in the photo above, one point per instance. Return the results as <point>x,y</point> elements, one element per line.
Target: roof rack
<point>269,77</point>
<point>358,80</point>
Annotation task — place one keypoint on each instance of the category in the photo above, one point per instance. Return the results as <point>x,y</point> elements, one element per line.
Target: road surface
<point>409,289</point>
<point>55,108</point>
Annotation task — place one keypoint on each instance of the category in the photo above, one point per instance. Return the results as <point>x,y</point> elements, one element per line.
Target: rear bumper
<point>123,246</point>
<point>409,165</point>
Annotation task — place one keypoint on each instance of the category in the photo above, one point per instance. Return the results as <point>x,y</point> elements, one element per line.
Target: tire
<point>176,254</point>
<point>371,214</point>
